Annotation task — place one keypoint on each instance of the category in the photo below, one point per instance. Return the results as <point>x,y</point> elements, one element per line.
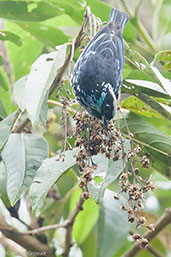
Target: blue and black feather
<point>97,75</point>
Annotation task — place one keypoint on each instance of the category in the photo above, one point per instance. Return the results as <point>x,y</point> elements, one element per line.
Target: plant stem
<point>139,26</point>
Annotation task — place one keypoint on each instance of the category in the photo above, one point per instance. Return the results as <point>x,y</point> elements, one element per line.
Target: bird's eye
<point>107,106</point>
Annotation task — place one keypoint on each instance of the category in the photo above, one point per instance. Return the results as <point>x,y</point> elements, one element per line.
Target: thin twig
<point>53,226</point>
<point>45,228</point>
<point>28,242</point>
<point>161,223</point>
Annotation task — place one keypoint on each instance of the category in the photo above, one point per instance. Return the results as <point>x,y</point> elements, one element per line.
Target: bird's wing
<point>109,43</point>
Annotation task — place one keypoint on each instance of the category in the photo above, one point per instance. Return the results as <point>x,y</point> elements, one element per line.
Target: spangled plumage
<point>97,75</point>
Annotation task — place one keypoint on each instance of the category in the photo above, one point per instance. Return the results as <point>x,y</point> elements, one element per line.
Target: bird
<point>97,75</point>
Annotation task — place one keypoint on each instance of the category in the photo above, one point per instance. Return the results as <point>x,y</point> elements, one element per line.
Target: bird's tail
<point>118,17</point>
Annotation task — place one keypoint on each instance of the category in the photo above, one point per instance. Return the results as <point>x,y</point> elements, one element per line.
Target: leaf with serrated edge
<point>111,220</point>
<point>49,172</point>
<point>22,156</point>
<point>40,79</point>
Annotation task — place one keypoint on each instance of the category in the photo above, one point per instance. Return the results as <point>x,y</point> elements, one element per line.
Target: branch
<point>14,247</point>
<point>139,26</point>
<point>68,224</point>
<point>71,219</point>
<point>160,224</point>
<point>28,242</point>
<point>69,109</point>
<point>45,228</point>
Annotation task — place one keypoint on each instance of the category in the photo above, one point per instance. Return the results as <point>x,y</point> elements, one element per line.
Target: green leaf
<point>39,81</point>
<point>20,92</point>
<point>48,174</point>
<point>108,170</point>
<point>141,64</point>
<point>113,226</point>
<point>4,82</point>
<point>5,99</point>
<point>133,86</point>
<point>129,33</point>
<point>22,57</point>
<point>86,219</point>
<point>5,127</point>
<point>162,109</point>
<point>20,96</point>
<point>28,10</point>
<point>3,184</point>
<point>164,57</point>
<point>167,66</point>
<point>22,156</point>
<point>46,34</point>
<point>89,245</point>
<point>151,140</point>
<point>37,10</point>
<point>139,107</point>
<point>100,9</point>
<point>3,112</point>
<point>10,36</point>
<point>1,60</point>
